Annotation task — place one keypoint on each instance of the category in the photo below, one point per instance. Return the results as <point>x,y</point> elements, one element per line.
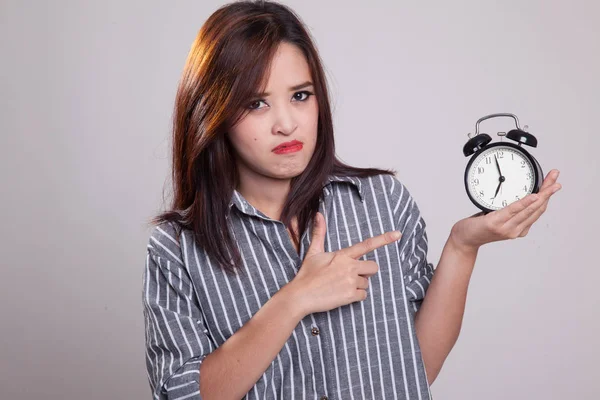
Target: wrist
<point>460,246</point>
<point>290,299</point>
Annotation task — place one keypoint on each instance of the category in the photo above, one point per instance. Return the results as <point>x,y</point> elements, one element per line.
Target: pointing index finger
<point>360,249</point>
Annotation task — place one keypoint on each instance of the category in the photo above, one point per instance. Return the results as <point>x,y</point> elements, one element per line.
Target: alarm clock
<point>498,174</point>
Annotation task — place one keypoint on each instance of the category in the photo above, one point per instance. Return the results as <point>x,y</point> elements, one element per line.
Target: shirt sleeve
<point>417,271</point>
<point>176,337</point>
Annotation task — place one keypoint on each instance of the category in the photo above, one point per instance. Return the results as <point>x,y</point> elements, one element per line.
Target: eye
<point>253,103</point>
<point>306,92</point>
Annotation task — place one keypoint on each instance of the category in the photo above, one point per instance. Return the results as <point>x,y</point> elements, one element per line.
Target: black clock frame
<point>537,178</point>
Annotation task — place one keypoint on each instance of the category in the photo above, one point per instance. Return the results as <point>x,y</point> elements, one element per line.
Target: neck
<point>264,193</point>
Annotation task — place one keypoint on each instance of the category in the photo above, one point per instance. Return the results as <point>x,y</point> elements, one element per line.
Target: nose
<point>285,122</point>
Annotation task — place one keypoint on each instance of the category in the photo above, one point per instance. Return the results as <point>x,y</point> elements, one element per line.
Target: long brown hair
<point>226,65</point>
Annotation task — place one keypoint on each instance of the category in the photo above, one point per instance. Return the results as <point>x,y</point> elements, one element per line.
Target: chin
<point>287,174</point>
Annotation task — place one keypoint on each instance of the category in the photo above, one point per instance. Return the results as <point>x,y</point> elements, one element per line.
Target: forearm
<point>439,319</point>
<point>247,354</point>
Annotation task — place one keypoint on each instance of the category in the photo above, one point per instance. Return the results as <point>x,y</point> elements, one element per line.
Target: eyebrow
<point>297,87</point>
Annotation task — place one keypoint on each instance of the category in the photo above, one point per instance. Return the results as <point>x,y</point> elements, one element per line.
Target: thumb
<point>317,244</point>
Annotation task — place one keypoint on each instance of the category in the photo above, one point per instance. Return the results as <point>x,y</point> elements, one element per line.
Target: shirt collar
<point>350,179</point>
<point>244,206</point>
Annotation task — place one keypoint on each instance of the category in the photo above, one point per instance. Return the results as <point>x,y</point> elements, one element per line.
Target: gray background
<point>86,92</point>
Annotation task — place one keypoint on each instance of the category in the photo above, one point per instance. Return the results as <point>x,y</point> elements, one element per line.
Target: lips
<point>287,144</point>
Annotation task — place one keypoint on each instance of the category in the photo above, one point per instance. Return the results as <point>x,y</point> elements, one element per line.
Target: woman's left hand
<point>510,222</point>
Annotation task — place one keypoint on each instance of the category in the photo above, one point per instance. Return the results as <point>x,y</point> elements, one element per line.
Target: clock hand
<point>497,190</point>
<point>501,179</point>
<point>498,165</point>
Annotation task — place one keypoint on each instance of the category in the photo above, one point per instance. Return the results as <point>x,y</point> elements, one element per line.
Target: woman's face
<point>288,111</point>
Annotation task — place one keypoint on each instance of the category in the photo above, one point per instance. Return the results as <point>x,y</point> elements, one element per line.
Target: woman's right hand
<point>327,280</point>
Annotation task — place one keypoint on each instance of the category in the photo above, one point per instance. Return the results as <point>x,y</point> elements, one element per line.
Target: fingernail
<point>556,188</point>
<point>396,235</point>
<point>556,173</point>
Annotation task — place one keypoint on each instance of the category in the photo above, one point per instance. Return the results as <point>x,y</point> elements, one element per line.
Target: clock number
<point>480,170</point>
<point>488,160</point>
<point>529,176</point>
<point>501,154</point>
<point>476,181</point>
<point>517,198</point>
<point>481,193</point>
<point>504,203</point>
<point>522,163</point>
<point>525,188</point>
<point>512,156</point>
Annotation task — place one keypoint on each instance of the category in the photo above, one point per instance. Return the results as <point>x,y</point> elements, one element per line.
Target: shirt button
<point>315,332</point>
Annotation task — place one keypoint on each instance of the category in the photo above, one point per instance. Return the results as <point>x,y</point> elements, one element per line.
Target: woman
<point>276,274</point>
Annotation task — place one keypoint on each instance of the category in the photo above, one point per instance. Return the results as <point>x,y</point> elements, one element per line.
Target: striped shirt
<point>363,350</point>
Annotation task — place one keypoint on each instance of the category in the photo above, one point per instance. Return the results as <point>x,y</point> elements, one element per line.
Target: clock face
<point>499,176</point>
